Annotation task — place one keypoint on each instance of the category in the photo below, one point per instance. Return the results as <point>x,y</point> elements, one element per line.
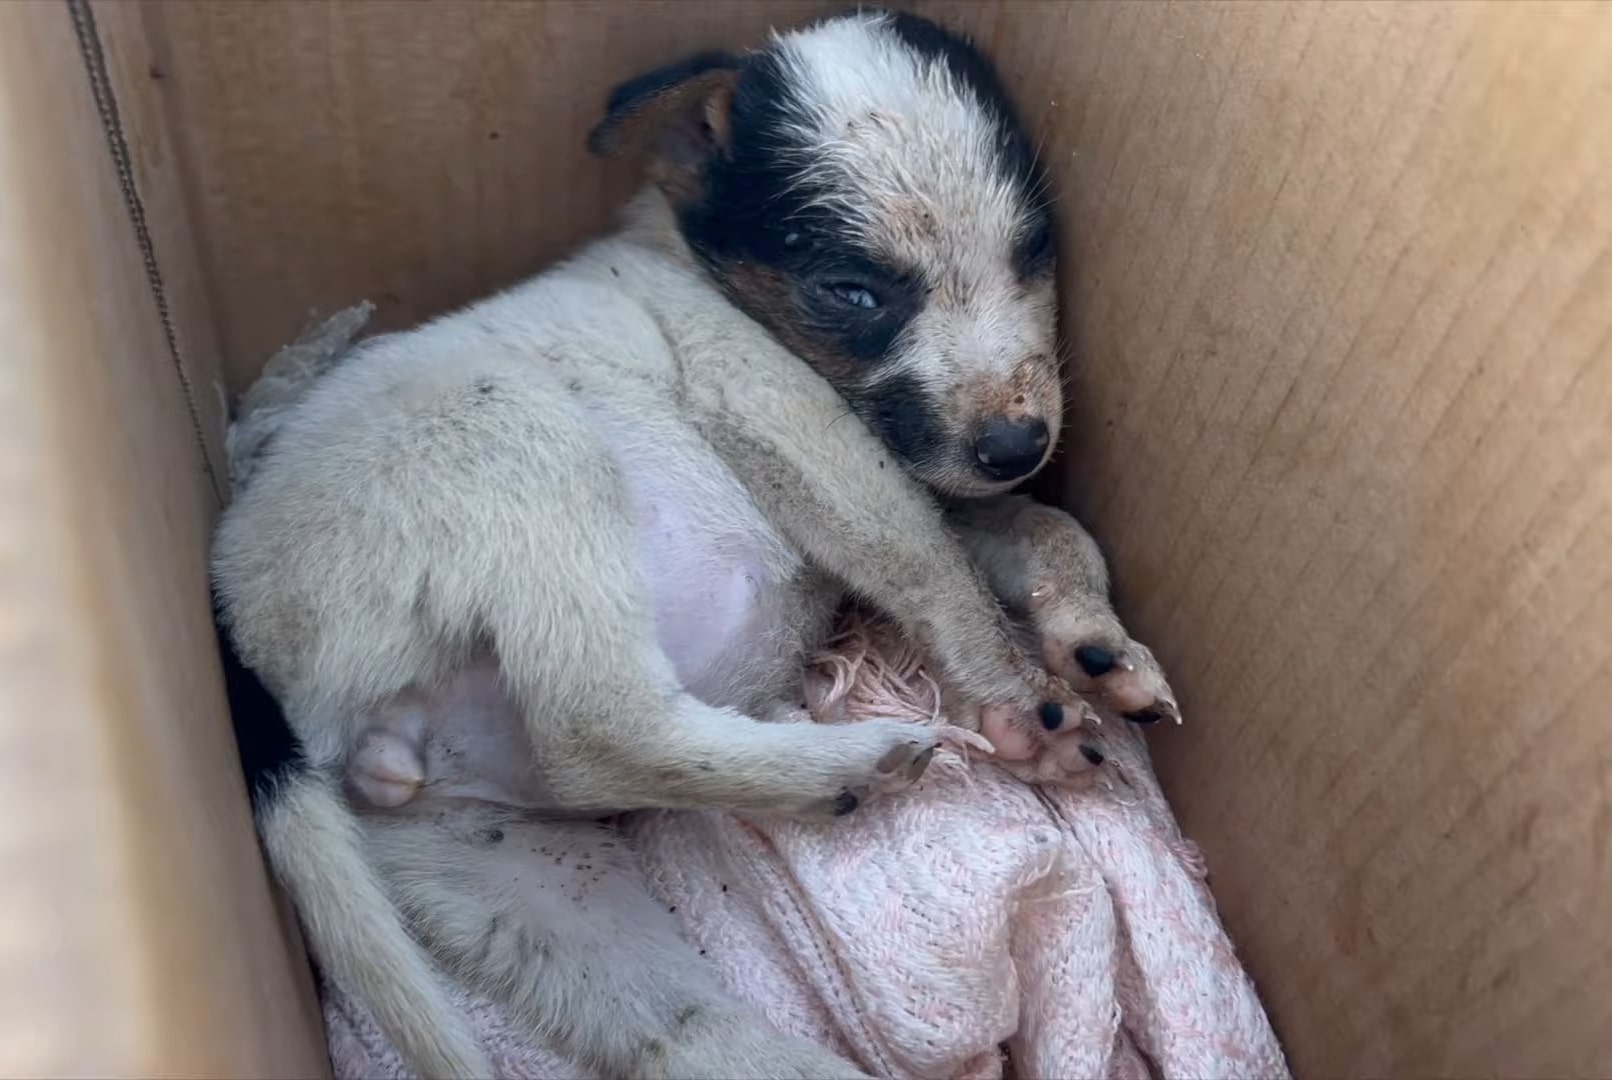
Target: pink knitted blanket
<point>975,927</point>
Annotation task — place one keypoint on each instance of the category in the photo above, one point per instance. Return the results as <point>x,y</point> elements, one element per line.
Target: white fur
<point>924,141</point>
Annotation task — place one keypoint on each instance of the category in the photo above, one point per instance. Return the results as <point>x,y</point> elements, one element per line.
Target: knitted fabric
<point>974,927</point>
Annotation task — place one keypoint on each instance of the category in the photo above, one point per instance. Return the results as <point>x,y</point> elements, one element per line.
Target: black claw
<point>1149,715</point>
<point>919,764</point>
<point>845,804</point>
<point>1051,715</point>
<point>1095,660</point>
<point>1092,754</point>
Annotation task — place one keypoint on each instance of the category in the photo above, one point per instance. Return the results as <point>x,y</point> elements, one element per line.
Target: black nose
<point>1009,449</point>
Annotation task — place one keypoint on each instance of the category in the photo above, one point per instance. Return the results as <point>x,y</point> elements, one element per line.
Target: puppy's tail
<point>356,932</point>
<point>285,381</point>
<point>314,844</point>
<point>313,841</point>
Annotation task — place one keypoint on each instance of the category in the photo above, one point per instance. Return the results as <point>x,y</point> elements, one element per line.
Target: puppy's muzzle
<point>1011,449</point>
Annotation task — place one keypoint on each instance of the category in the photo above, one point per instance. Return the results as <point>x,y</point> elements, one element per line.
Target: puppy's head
<point>863,188</point>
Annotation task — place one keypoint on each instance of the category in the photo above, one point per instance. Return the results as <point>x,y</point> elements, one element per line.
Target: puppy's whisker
<point>1035,155</point>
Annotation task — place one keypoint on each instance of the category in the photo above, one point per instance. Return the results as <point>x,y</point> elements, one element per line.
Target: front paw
<point>1059,741</point>
<point>1119,674</point>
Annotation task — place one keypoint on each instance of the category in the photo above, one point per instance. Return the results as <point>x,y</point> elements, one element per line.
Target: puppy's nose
<point>1009,449</point>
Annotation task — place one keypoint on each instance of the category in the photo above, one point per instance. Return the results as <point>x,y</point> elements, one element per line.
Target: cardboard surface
<point>1339,283</point>
<point>416,155</point>
<point>1339,296</point>
<point>135,71</point>
<point>139,937</point>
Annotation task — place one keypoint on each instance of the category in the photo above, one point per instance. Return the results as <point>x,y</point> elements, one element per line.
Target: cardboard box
<point>1338,289</point>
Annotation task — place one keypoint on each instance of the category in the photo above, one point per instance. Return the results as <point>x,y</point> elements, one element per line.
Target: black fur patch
<point>900,413</point>
<point>748,185</point>
<point>632,95</point>
<point>753,206</point>
<point>270,752</point>
<point>863,334</point>
<point>1035,252</point>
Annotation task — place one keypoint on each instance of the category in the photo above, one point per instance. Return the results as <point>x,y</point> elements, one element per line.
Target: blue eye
<point>854,295</point>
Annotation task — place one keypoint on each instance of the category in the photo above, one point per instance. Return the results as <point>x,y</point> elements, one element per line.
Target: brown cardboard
<point>1338,294</point>
<point>138,933</point>
<point>416,155</point>
<point>149,134</point>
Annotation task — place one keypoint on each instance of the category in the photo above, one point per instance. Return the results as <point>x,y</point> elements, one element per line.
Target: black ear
<point>676,115</point>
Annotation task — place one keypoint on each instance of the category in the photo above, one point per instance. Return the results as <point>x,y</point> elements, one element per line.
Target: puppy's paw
<point>875,758</point>
<point>1120,674</point>
<point>1061,744</point>
<point>1053,739</point>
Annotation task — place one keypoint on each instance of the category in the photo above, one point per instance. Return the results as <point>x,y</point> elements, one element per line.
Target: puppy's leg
<point>466,740</point>
<point>612,729</point>
<point>834,491</point>
<point>665,749</point>
<point>554,921</point>
<point>1050,574</point>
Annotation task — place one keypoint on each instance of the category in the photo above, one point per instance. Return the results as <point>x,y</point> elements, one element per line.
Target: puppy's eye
<point>1038,245</point>
<point>793,240</point>
<point>853,294</point>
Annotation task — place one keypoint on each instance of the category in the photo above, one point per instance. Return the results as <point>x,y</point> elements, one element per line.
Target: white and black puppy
<point>625,498</point>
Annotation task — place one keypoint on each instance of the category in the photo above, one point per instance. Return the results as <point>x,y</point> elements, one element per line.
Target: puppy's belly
<point>725,587</point>
<point>719,591</point>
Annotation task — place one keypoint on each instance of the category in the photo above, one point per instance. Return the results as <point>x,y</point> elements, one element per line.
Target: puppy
<point>629,494</point>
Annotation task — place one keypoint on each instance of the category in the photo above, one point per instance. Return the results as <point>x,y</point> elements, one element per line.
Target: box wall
<point>1339,284</point>
<point>416,155</point>
<point>1338,292</point>
<point>140,937</point>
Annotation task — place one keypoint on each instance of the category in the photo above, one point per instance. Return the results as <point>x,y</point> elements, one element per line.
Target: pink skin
<point>462,740</point>
<point>1068,755</point>
<point>387,769</point>
<point>1010,739</point>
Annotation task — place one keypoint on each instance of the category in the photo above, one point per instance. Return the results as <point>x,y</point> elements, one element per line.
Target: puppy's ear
<point>676,116</point>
